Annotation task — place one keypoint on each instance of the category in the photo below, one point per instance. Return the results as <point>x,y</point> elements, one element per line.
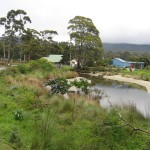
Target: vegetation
<point>21,43</point>
<point>33,119</point>
<point>88,45</point>
<point>14,24</point>
<point>123,47</point>
<point>24,44</point>
<point>142,74</point>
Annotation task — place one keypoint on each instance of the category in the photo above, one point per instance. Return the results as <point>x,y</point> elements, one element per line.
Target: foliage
<point>61,85</point>
<point>18,115</point>
<point>58,85</point>
<point>128,56</point>
<point>81,85</point>
<point>22,68</point>
<point>88,45</point>
<point>25,44</point>
<point>14,24</point>
<point>143,74</point>
<point>50,125</point>
<point>42,64</point>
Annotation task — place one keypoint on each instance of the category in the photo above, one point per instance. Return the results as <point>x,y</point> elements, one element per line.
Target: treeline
<point>128,56</point>
<point>21,43</point>
<point>115,47</point>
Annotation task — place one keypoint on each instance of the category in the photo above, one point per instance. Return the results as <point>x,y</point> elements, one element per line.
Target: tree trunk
<point>4,52</point>
<point>9,50</point>
<point>78,63</point>
<point>29,57</point>
<point>24,57</point>
<point>20,56</point>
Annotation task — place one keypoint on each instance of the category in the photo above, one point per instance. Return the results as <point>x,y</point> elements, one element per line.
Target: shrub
<point>66,107</point>
<point>85,70</point>
<point>23,68</point>
<point>9,71</point>
<point>18,115</point>
<point>44,132</point>
<point>42,64</point>
<point>15,139</point>
<point>58,85</point>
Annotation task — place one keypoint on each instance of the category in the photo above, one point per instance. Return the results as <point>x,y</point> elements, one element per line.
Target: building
<point>118,62</point>
<point>54,58</point>
<point>73,63</point>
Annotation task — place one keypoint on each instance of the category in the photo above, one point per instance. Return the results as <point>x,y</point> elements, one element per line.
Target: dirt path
<point>2,68</point>
<point>131,80</point>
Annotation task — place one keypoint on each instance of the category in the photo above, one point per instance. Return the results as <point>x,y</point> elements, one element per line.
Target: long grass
<point>53,122</point>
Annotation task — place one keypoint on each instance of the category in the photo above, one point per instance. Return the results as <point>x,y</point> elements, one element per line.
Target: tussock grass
<point>29,82</point>
<point>53,122</point>
<point>132,114</point>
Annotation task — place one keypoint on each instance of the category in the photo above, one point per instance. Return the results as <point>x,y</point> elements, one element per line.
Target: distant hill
<point>115,47</point>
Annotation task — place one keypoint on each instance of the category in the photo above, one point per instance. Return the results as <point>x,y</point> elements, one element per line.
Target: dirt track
<point>131,80</point>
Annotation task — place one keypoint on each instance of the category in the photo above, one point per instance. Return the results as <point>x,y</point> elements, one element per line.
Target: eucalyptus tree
<point>86,38</point>
<point>14,23</point>
<point>3,23</point>
<point>47,40</point>
<point>48,35</point>
<point>1,48</point>
<point>68,51</point>
<point>31,43</point>
<point>22,20</point>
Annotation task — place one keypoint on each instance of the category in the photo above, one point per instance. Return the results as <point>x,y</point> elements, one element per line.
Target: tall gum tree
<point>86,39</point>
<point>14,23</point>
<point>47,40</point>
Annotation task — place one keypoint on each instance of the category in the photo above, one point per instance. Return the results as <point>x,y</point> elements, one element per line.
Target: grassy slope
<point>52,122</point>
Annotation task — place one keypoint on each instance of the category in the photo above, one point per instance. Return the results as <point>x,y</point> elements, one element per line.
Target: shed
<point>118,62</point>
<point>73,63</point>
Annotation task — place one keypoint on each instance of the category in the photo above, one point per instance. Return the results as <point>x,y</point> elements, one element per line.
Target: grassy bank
<point>137,74</point>
<point>142,74</point>
<point>32,119</point>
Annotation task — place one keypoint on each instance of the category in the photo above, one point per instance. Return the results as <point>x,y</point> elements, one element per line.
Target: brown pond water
<point>123,93</point>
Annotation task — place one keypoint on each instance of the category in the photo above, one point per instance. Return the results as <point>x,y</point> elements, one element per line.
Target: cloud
<point>117,20</point>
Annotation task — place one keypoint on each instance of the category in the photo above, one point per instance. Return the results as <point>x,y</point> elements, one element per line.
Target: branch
<point>126,123</point>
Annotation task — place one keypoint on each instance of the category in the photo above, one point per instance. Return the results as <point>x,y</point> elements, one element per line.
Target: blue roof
<point>120,59</point>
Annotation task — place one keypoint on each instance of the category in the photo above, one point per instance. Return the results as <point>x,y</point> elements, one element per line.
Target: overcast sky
<point>119,21</point>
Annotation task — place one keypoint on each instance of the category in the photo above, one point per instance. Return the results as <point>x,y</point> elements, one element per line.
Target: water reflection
<point>122,93</point>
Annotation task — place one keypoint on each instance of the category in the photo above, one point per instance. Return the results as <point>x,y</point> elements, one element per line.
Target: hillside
<point>115,47</point>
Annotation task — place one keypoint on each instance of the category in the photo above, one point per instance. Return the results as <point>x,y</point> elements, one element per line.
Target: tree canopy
<point>86,38</point>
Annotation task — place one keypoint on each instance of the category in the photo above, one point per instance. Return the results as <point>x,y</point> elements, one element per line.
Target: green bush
<point>40,64</point>
<point>32,66</point>
<point>15,139</point>
<point>18,115</point>
<point>58,85</point>
<point>23,68</point>
<point>13,71</point>
<point>100,68</point>
<point>85,70</point>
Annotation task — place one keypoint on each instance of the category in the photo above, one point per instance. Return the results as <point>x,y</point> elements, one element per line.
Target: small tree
<point>61,86</point>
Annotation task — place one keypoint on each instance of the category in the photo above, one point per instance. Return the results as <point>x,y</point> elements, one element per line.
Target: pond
<point>120,93</point>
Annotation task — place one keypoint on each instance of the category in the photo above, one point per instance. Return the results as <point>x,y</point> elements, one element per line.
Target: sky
<point>118,21</point>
